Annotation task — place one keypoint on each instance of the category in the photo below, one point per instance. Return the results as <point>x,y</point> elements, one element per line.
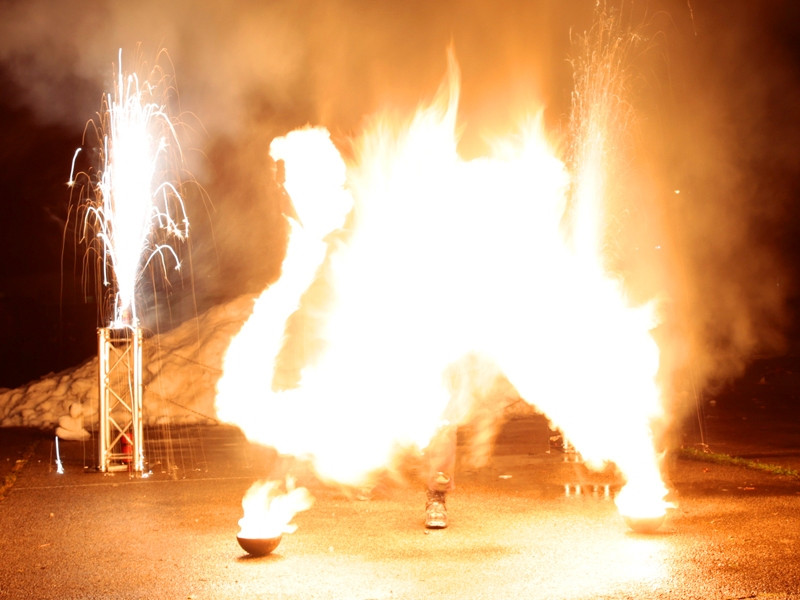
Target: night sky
<point>716,87</point>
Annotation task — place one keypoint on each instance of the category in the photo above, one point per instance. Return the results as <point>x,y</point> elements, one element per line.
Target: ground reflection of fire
<point>498,258</point>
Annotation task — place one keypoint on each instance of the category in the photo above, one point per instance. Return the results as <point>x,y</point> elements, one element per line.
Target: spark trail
<point>133,208</point>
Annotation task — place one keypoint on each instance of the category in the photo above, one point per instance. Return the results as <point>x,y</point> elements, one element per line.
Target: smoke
<point>704,180</point>
<point>715,95</point>
<point>334,61</point>
<point>248,72</point>
<point>64,54</point>
<point>723,147</point>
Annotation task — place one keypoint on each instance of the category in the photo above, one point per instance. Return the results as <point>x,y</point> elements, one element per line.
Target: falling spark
<point>71,181</point>
<point>135,206</point>
<point>59,466</point>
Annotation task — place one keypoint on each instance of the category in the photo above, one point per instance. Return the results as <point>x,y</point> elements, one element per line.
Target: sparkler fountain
<point>131,210</point>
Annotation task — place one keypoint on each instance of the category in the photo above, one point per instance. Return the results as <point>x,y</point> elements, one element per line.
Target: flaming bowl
<point>645,524</point>
<point>258,546</point>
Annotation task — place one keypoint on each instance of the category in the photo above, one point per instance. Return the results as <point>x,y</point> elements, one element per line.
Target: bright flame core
<point>136,192</point>
<point>446,258</point>
<point>268,511</point>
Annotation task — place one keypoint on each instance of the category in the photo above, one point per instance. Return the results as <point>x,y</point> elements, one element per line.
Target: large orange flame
<point>446,257</point>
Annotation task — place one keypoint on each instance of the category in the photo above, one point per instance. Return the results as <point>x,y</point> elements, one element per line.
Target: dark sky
<point>715,86</point>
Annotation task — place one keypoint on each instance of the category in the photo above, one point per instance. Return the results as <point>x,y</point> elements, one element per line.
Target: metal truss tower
<point>120,380</point>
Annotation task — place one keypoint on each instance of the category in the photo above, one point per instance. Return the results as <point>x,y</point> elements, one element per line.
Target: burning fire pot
<point>258,546</point>
<point>645,525</point>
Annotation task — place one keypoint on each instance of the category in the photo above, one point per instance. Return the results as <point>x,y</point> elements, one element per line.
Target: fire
<point>498,257</point>
<point>244,392</point>
<point>136,192</point>
<point>268,511</point>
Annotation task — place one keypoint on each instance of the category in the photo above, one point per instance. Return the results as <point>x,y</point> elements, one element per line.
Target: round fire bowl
<point>258,546</point>
<point>645,524</point>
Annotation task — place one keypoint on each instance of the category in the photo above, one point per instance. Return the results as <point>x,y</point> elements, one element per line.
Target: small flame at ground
<point>268,511</point>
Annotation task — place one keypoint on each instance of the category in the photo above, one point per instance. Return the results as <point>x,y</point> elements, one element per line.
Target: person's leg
<point>441,459</point>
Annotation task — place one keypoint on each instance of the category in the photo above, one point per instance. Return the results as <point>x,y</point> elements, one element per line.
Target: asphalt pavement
<point>519,527</point>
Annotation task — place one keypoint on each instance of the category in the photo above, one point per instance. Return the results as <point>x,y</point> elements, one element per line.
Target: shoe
<point>435,510</point>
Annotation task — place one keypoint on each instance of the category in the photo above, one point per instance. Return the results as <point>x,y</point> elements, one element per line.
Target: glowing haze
<point>712,92</point>
<point>445,257</point>
<point>712,83</point>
